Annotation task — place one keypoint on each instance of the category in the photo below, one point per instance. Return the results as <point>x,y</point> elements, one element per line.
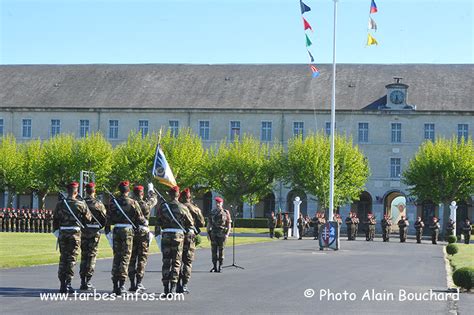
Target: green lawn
<point>464,257</point>
<point>29,249</point>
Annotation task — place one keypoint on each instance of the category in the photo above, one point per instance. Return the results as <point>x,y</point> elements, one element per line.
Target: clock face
<point>397,97</point>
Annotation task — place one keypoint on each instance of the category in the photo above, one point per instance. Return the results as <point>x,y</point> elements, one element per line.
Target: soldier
<point>21,219</point>
<point>124,213</point>
<point>434,227</point>
<point>40,220</point>
<point>272,222</point>
<point>49,220</point>
<point>321,221</point>
<point>172,220</point>
<point>350,228</point>
<point>17,220</point>
<point>355,224</point>
<point>13,217</point>
<point>338,219</point>
<point>189,244</point>
<point>403,227</point>
<point>69,215</point>
<point>315,223</point>
<point>386,224</point>
<point>90,236</point>
<point>141,240</point>
<point>27,220</point>
<point>7,220</point>
<point>286,222</point>
<point>34,220</point>
<point>466,230</point>
<point>219,228</point>
<point>450,228</point>
<point>2,219</point>
<point>371,222</point>
<point>419,225</point>
<point>301,223</point>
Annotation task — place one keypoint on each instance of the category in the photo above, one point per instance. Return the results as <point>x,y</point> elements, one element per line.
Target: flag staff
<point>333,119</point>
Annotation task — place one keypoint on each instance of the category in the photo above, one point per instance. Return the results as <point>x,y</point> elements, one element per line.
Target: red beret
<point>125,183</point>
<point>219,199</point>
<point>90,185</point>
<point>187,191</point>
<point>174,189</point>
<point>138,188</point>
<point>73,185</point>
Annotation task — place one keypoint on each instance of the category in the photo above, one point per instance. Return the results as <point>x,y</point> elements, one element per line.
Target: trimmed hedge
<point>251,223</point>
<point>452,239</point>
<point>451,249</point>
<point>464,277</point>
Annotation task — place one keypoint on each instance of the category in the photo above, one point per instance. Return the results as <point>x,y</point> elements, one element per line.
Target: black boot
<point>69,287</point>
<point>83,284</point>
<point>219,269</point>
<point>62,288</point>
<point>116,287</point>
<point>185,288</point>
<point>133,286</point>
<point>122,286</point>
<point>179,287</point>
<point>172,287</point>
<point>214,269</point>
<point>88,283</point>
<point>166,288</point>
<point>140,287</point>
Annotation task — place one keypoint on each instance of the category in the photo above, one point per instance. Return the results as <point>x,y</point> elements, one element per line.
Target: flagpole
<point>333,119</point>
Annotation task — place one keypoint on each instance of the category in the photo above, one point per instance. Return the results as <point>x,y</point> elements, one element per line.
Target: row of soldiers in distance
<point>26,220</point>
<point>352,222</point>
<point>178,222</point>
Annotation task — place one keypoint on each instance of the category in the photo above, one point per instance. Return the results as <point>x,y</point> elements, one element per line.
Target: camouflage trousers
<point>172,247</point>
<point>386,233</point>
<point>69,243</point>
<point>370,233</point>
<point>89,245</point>
<point>188,257</point>
<point>467,237</point>
<point>123,239</point>
<point>285,232</point>
<point>217,247</point>
<point>434,236</point>
<point>403,234</point>
<point>419,233</point>
<point>139,256</point>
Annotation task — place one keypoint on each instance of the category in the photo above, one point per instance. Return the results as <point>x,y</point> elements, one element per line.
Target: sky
<point>232,31</point>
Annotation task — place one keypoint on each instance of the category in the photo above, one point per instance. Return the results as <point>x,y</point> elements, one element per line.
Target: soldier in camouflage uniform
<point>350,228</point>
<point>218,228</point>
<point>419,225</point>
<point>122,233</point>
<point>371,222</point>
<point>403,228</point>
<point>141,240</point>
<point>90,236</point>
<point>69,234</point>
<point>434,227</point>
<point>49,220</point>
<point>466,229</point>
<point>7,220</point>
<point>286,223</point>
<point>386,226</point>
<point>189,243</point>
<point>13,218</point>
<point>34,220</point>
<point>27,220</point>
<point>315,224</point>
<point>172,221</point>
<point>2,219</point>
<point>272,222</point>
<point>450,228</point>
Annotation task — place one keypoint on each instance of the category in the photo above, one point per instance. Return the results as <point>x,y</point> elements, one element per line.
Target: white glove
<point>150,187</point>
<point>56,233</point>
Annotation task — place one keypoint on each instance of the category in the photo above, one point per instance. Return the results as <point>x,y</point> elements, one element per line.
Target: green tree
<point>32,152</point>
<point>306,167</point>
<point>243,170</point>
<point>442,171</point>
<point>11,167</point>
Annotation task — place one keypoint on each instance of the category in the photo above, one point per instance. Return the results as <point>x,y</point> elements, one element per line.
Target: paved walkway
<point>275,278</point>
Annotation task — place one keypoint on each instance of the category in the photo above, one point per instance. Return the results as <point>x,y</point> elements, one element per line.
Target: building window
<point>113,129</point>
<point>204,129</point>
<point>83,128</point>
<point>363,134</point>
<point>266,131</point>
<point>396,132</point>
<point>174,127</point>
<point>1,127</point>
<point>430,132</point>
<point>395,168</point>
<point>55,127</point>
<point>234,130</point>
<point>328,128</point>
<point>463,132</point>
<point>143,127</point>
<point>298,129</point>
<point>26,132</point>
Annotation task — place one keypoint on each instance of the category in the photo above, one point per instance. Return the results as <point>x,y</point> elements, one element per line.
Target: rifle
<point>163,200</point>
<point>100,225</point>
<point>120,208</point>
<point>63,198</point>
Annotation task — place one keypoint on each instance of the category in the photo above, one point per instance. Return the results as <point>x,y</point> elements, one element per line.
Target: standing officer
<point>34,219</point>
<point>141,240</point>
<point>434,227</point>
<point>386,224</point>
<point>90,236</point>
<point>69,215</point>
<point>450,228</point>
<point>355,224</point>
<point>17,220</point>
<point>371,222</point>
<point>272,222</point>
<point>218,228</point>
<point>27,220</point>
<point>349,225</point>
<point>403,227</point>
<point>21,219</point>
<point>172,220</point>
<point>286,223</point>
<point>2,218</point>
<point>466,230</point>
<point>301,223</point>
<point>419,225</point>
<point>321,221</point>
<point>189,245</point>
<point>7,220</point>
<point>315,223</point>
<point>49,220</point>
<point>124,213</point>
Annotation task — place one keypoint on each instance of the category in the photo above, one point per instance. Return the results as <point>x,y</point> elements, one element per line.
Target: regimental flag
<point>304,7</point>
<point>310,56</point>
<point>373,7</point>
<point>371,40</point>
<point>308,41</point>
<point>372,25</point>
<point>161,169</point>
<point>315,71</point>
<point>306,25</point>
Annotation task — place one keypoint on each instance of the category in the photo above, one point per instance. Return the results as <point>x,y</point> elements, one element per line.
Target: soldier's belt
<point>123,225</point>
<point>172,231</point>
<point>190,231</point>
<point>144,227</point>
<point>93,226</point>
<point>65,228</point>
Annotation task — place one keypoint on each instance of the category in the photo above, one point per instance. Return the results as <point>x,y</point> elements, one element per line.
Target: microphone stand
<point>234,214</point>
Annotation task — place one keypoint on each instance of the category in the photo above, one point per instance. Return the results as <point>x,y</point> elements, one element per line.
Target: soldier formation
<point>26,220</point>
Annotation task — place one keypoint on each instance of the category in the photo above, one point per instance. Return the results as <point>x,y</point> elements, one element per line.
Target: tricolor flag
<point>315,71</point>
<point>306,25</point>
<point>308,41</point>
<point>372,25</point>
<point>161,169</point>
<point>373,7</point>
<point>304,7</point>
<point>371,40</point>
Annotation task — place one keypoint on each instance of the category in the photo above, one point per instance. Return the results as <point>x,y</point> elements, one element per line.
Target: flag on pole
<point>308,41</point>
<point>310,56</point>
<point>315,71</point>
<point>372,25</point>
<point>371,40</point>
<point>306,25</point>
<point>161,169</point>
<point>373,7</point>
<point>304,7</point>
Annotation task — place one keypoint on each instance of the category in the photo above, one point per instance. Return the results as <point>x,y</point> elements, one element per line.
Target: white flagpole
<point>333,118</point>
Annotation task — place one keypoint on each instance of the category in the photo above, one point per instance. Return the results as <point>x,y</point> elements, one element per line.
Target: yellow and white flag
<point>371,40</point>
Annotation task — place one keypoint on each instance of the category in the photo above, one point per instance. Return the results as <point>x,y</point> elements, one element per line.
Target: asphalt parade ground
<point>285,277</point>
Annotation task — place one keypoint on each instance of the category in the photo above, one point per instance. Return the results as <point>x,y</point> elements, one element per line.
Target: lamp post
<point>297,202</point>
